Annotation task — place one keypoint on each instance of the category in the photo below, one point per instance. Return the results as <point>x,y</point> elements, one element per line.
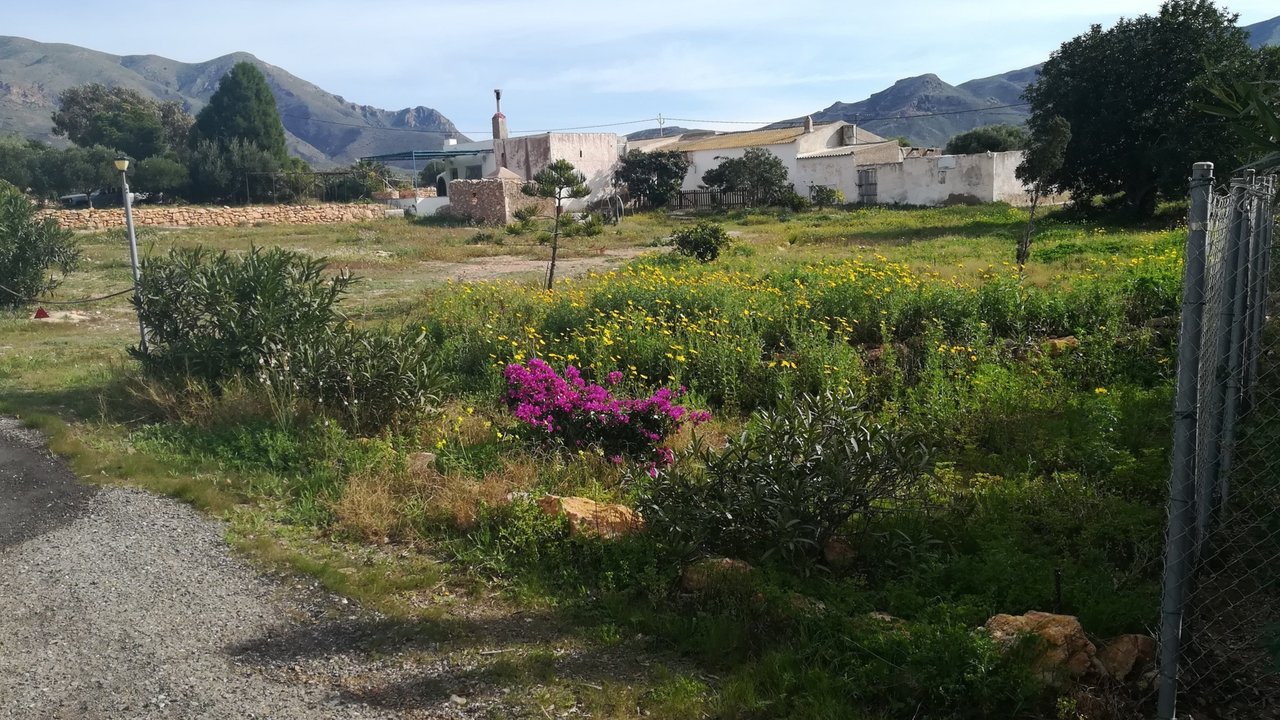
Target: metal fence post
<point>1183,473</point>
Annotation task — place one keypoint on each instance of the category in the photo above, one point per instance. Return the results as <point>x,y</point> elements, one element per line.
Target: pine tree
<point>561,182</point>
<point>242,108</point>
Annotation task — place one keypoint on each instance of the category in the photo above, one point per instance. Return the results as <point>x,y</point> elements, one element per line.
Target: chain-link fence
<point>1220,623</point>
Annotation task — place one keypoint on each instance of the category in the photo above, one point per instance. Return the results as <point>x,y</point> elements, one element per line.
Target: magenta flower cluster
<point>580,414</point>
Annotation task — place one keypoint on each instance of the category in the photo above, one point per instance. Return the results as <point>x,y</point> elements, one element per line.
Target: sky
<point>573,63</point>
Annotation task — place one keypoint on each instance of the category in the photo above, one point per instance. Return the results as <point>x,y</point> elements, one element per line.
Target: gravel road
<point>115,603</point>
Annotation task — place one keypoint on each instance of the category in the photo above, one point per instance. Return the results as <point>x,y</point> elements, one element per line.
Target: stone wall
<point>205,216</point>
<point>492,201</point>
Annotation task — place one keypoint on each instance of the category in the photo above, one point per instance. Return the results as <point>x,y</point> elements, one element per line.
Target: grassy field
<point>1048,454</point>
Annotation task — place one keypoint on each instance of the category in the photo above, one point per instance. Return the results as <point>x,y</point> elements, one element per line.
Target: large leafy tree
<point>758,172</point>
<point>121,119</point>
<point>988,138</point>
<point>74,170</point>
<point>1131,96</point>
<point>243,109</point>
<point>560,181</point>
<point>653,177</point>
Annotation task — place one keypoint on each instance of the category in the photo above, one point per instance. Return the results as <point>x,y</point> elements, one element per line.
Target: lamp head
<point>122,163</point>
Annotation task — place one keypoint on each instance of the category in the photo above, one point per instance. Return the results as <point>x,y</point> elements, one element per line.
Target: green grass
<point>1048,464</point>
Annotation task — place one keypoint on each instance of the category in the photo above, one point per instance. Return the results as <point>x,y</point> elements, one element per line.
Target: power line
<point>865,119</point>
<point>661,120</point>
<point>464,132</point>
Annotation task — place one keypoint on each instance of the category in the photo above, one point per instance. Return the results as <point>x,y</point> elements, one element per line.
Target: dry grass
<point>386,504</point>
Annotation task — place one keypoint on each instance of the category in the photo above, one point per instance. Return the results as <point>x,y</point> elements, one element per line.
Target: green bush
<point>29,246</point>
<point>789,483</point>
<point>212,317</point>
<point>270,317</point>
<point>367,379</point>
<point>825,196</point>
<point>794,201</point>
<point>589,226</point>
<point>703,241</point>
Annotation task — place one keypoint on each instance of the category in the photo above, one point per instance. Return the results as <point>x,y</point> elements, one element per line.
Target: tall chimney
<point>499,120</point>
<point>808,123</point>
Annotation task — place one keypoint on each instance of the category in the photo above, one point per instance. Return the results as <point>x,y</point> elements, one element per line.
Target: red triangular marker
<point>41,314</point>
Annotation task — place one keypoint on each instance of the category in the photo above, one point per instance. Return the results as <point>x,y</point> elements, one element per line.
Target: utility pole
<point>122,164</point>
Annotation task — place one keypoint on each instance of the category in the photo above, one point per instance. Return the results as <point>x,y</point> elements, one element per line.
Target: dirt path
<point>115,603</point>
<point>501,266</point>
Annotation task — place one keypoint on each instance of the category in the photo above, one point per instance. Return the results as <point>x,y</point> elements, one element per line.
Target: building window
<point>474,172</point>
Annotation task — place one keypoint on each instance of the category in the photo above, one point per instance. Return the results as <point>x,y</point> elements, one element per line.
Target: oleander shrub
<point>29,246</point>
<point>792,480</point>
<point>270,317</point>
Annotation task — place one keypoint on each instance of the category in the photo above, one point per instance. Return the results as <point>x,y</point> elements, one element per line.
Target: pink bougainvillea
<point>580,414</point>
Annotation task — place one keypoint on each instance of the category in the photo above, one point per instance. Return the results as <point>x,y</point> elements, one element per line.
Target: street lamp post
<point>122,164</point>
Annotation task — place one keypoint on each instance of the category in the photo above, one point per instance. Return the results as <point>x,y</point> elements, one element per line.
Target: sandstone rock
<point>1057,347</point>
<point>1065,650</point>
<point>886,618</point>
<point>588,517</point>
<point>710,572</point>
<point>839,553</point>
<point>1120,656</point>
<point>421,462</point>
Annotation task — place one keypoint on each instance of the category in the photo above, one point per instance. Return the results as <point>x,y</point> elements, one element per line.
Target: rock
<point>1120,656</point>
<point>1065,650</point>
<point>710,572</point>
<point>421,462</point>
<point>886,618</point>
<point>839,553</point>
<point>805,604</point>
<point>588,517</point>
<point>1057,347</point>
<point>457,700</point>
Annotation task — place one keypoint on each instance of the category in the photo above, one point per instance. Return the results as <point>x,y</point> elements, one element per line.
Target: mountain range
<point>325,129</point>
<point>928,111</point>
<point>322,128</point>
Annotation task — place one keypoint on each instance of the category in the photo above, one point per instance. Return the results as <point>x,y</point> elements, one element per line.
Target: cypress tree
<point>243,108</point>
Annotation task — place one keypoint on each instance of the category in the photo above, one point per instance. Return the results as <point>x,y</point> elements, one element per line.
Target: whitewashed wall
<point>945,179</point>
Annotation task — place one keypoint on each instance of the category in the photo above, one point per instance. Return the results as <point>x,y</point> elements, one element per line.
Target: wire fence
<point>1220,614</point>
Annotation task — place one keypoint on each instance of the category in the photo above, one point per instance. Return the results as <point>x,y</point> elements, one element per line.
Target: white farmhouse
<point>863,166</point>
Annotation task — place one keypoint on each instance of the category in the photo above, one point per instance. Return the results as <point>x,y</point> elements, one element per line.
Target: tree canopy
<point>243,109</point>
<point>758,172</point>
<point>1131,95</point>
<point>988,138</point>
<point>653,177</point>
<point>121,119</point>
